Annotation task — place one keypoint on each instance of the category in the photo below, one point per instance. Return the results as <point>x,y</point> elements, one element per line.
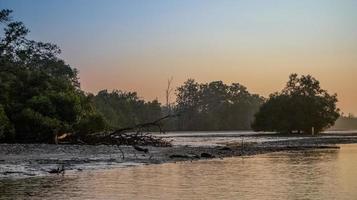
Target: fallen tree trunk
<point>134,135</point>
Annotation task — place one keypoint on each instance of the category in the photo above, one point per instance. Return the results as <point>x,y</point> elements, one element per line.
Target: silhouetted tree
<point>215,106</point>
<point>168,92</point>
<point>188,105</point>
<point>124,109</point>
<point>300,106</point>
<point>40,94</point>
<point>6,129</point>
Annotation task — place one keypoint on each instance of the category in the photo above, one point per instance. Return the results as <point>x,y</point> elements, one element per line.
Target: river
<point>311,174</point>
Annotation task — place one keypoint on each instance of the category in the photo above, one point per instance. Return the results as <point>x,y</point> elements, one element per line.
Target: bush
<point>301,106</point>
<point>39,90</point>
<point>6,129</point>
<point>90,124</point>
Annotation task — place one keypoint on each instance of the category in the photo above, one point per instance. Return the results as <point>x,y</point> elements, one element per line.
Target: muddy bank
<point>26,160</point>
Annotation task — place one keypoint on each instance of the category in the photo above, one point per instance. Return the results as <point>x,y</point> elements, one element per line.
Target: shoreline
<point>32,160</point>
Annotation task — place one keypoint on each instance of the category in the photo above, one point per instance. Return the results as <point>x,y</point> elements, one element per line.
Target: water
<point>313,174</point>
<point>202,138</point>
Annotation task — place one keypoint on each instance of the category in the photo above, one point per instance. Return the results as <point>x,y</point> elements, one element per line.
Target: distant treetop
<point>302,107</point>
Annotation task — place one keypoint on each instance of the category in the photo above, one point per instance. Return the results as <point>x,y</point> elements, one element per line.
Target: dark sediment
<point>38,159</point>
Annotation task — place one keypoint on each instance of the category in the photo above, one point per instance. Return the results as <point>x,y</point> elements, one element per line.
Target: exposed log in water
<point>57,171</point>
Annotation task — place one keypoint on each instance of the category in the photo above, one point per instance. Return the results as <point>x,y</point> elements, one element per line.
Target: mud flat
<point>28,160</point>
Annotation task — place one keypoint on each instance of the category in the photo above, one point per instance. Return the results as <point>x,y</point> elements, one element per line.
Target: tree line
<point>124,109</point>
<point>209,106</point>
<point>215,106</point>
<point>40,96</point>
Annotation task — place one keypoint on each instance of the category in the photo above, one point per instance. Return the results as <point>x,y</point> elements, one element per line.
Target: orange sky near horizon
<point>259,74</point>
<point>137,45</point>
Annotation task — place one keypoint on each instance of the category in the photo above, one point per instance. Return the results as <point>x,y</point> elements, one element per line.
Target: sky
<point>136,45</point>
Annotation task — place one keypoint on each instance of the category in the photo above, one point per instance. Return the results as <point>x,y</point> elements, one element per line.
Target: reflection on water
<point>313,174</point>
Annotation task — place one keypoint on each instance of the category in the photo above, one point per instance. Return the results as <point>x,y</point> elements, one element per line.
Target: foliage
<point>124,109</point>
<point>90,123</point>
<point>301,105</point>
<point>40,93</point>
<point>6,130</point>
<point>215,106</point>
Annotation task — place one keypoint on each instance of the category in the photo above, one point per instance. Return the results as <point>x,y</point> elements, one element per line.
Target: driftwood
<point>57,171</point>
<point>207,155</point>
<point>184,156</point>
<point>137,135</point>
<point>145,150</point>
<point>144,126</point>
<point>225,149</point>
